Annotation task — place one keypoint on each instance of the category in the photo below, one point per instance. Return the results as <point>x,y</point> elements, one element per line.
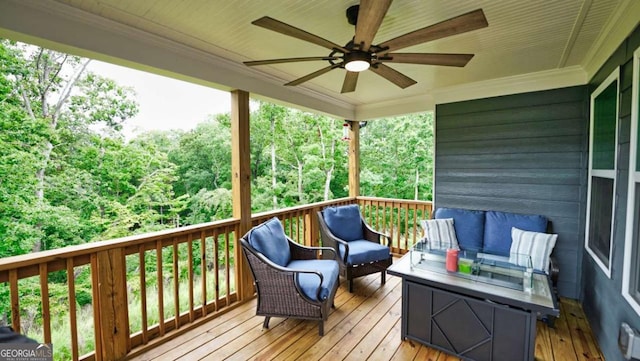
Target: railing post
<point>241,185</point>
<point>311,227</point>
<point>354,158</point>
<point>112,307</point>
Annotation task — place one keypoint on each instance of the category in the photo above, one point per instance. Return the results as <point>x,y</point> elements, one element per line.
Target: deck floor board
<point>365,325</point>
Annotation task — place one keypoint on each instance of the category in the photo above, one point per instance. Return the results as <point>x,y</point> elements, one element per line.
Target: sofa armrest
<point>554,271</point>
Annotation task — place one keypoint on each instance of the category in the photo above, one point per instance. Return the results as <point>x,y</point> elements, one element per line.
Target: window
<point>631,270</point>
<point>602,171</point>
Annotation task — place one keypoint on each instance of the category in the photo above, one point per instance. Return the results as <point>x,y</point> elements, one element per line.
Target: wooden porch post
<point>354,158</point>
<point>241,185</point>
<point>110,302</point>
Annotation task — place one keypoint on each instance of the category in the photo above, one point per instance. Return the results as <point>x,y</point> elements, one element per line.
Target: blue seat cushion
<point>497,229</point>
<point>344,222</point>
<point>270,240</point>
<point>309,283</point>
<point>469,226</point>
<point>363,251</point>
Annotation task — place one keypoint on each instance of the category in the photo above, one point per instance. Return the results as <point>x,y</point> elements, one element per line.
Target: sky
<point>164,103</point>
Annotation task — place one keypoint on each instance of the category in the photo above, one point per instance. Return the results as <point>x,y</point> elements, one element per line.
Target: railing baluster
<point>226,265</point>
<point>71,285</point>
<point>176,284</point>
<point>190,269</point>
<point>143,293</point>
<point>160,281</point>
<point>44,294</point>
<point>415,221</point>
<point>97,321</point>
<point>405,207</point>
<point>300,241</point>
<point>390,208</point>
<point>398,213</point>
<point>216,272</point>
<point>378,217</point>
<point>15,300</point>
<point>203,271</point>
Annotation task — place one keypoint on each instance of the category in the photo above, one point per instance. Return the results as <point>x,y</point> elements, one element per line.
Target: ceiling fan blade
<point>370,17</point>
<point>393,76</point>
<point>288,60</point>
<point>350,81</point>
<point>286,29</point>
<point>460,24</point>
<point>459,60</point>
<point>312,75</point>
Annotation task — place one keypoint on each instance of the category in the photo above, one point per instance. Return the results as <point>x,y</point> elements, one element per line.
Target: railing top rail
<point>302,207</point>
<point>394,200</point>
<point>88,248</point>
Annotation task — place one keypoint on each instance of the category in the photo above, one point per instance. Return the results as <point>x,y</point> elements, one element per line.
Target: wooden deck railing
<point>202,254</point>
<point>173,279</point>
<point>396,217</point>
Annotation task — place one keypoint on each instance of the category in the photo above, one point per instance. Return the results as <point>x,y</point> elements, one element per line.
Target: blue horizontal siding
<point>523,153</point>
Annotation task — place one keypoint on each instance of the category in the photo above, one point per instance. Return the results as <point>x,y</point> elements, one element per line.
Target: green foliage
<point>397,157</point>
<point>68,176</point>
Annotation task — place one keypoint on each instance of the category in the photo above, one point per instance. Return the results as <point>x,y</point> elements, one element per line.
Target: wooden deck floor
<point>364,326</point>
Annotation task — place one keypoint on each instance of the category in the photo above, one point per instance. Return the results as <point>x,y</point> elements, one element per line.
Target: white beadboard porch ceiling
<point>523,38</point>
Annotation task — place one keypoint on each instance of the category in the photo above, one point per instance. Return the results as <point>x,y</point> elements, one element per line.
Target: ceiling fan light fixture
<point>357,61</point>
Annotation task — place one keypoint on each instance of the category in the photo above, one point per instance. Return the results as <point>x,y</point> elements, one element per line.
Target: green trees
<point>69,176</point>
<point>396,157</point>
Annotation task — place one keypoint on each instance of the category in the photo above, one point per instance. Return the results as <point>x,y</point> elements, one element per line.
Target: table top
<point>541,297</point>
<point>476,266</point>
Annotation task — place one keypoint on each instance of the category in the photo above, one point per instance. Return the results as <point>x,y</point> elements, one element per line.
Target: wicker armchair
<point>360,249</point>
<point>297,286</point>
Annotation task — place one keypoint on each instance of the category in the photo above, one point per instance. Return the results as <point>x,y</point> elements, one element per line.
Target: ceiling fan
<point>361,54</point>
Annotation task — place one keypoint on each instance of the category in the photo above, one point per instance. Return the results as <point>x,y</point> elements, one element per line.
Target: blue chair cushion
<point>497,229</point>
<point>344,222</point>
<point>363,251</point>
<point>309,283</point>
<point>469,226</point>
<point>270,240</point>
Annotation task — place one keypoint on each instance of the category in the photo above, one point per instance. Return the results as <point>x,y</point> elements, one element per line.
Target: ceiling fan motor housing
<point>352,14</point>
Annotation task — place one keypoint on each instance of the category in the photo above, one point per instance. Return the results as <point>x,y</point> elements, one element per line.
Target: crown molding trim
<point>522,83</point>
<point>544,80</point>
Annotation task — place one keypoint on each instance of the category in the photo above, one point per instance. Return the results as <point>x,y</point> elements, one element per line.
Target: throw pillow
<point>534,244</point>
<point>440,233</point>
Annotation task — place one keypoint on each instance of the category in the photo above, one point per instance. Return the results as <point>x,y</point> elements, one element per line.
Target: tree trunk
<point>50,67</point>
<point>300,193</point>
<point>415,185</point>
<point>327,171</point>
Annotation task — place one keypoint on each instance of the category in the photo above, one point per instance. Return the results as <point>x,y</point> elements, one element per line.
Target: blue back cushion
<point>497,229</point>
<point>469,226</point>
<point>270,240</point>
<point>344,222</point>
